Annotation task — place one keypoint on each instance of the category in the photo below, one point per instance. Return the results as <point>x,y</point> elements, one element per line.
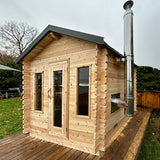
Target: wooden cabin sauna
<point>69,78</point>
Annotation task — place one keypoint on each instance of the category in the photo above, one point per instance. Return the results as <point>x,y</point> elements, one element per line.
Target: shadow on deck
<point>24,147</point>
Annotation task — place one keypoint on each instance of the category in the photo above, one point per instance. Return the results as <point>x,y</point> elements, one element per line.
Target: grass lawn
<point>10,117</point>
<point>150,149</point>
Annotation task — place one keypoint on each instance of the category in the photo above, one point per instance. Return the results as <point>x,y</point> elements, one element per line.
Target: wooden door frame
<point>64,66</point>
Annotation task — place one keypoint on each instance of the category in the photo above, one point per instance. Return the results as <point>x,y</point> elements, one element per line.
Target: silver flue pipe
<point>128,52</point>
<point>120,103</point>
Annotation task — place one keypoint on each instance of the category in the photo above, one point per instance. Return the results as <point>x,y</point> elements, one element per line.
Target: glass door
<point>58,97</point>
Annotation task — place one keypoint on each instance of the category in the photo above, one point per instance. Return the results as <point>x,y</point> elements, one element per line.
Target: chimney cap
<point>128,4</point>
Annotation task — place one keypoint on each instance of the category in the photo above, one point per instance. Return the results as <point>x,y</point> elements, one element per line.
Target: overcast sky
<point>100,17</point>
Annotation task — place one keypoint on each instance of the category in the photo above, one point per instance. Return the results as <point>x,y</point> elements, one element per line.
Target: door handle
<point>49,93</point>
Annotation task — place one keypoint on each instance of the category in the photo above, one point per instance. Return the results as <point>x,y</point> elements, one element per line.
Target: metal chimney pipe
<point>128,52</point>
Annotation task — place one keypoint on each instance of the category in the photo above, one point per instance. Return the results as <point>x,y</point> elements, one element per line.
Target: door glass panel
<point>57,120</point>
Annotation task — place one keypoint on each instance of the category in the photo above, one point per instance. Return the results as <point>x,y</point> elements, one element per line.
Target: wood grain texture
<point>106,77</point>
<point>24,147</point>
<point>148,99</point>
<point>50,54</point>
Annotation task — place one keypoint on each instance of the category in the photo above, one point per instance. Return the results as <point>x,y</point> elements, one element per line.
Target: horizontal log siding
<point>102,65</point>
<point>115,84</point>
<point>26,97</point>
<point>79,53</point>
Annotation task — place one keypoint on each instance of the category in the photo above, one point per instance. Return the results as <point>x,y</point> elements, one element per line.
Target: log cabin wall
<point>26,96</point>
<point>77,53</point>
<point>102,65</point>
<point>115,83</point>
<point>116,80</point>
<point>110,80</point>
<point>85,133</point>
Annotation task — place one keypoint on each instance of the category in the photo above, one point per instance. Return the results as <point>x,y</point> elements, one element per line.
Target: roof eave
<point>113,50</point>
<point>68,32</point>
<point>33,44</point>
<point>84,36</point>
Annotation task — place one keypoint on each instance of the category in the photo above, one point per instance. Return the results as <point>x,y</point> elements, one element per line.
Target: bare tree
<point>15,37</point>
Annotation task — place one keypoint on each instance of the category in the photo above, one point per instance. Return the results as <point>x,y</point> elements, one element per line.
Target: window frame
<point>89,91</point>
<point>42,98</point>
<point>115,95</point>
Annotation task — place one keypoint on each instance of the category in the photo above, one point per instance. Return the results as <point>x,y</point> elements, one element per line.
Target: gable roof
<point>80,35</point>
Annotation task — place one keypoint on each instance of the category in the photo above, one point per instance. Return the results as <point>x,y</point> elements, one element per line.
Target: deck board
<point>75,155</point>
<point>119,148</point>
<point>25,147</point>
<point>68,154</point>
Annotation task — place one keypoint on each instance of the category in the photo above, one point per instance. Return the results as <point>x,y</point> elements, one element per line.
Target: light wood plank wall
<point>102,65</point>
<point>79,53</point>
<point>106,77</point>
<point>116,84</point>
<point>26,96</point>
<point>110,80</point>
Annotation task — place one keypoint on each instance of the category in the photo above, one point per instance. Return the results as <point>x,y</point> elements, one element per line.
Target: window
<point>57,120</point>
<point>83,91</point>
<point>38,94</point>
<point>114,106</point>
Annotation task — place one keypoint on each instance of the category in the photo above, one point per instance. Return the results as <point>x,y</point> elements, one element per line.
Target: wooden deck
<point>120,148</point>
<point>24,147</point>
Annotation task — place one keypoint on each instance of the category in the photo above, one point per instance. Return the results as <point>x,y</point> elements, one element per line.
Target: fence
<point>148,99</point>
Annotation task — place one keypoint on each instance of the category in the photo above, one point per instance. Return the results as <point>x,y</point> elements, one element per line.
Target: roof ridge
<point>76,34</point>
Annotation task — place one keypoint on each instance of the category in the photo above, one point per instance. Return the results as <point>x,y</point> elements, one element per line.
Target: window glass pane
<point>115,95</point>
<point>58,78</point>
<point>83,90</point>
<point>83,75</point>
<point>57,121</point>
<point>38,91</point>
<point>114,106</point>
